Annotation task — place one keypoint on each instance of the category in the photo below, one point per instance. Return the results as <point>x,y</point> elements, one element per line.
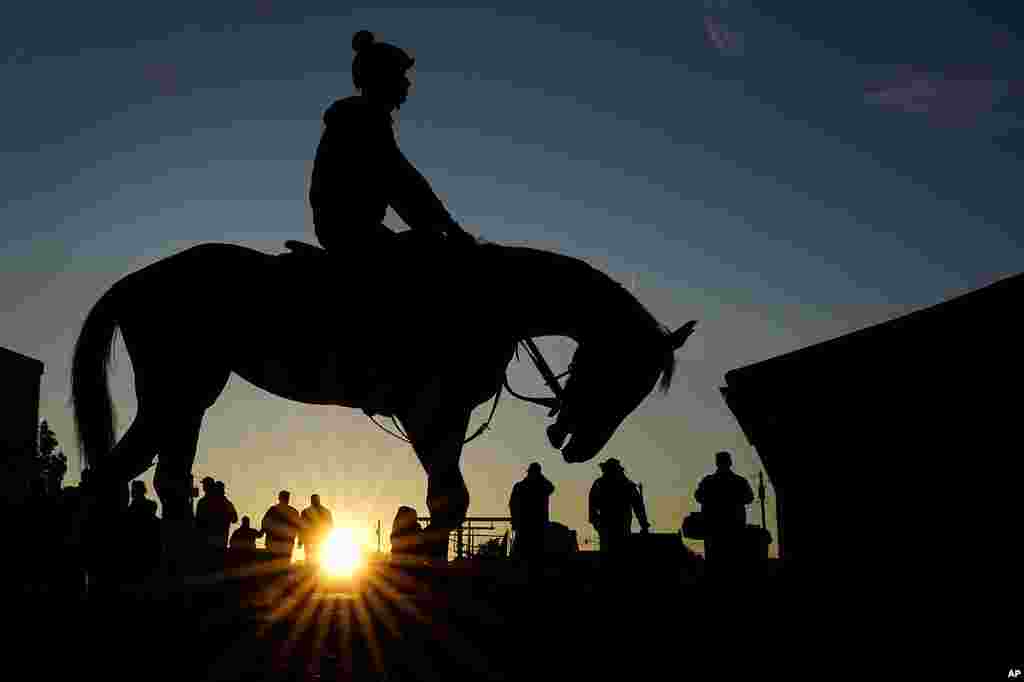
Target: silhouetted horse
<point>301,326</point>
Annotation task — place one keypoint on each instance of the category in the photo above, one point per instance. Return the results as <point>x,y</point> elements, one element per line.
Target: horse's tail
<point>90,391</point>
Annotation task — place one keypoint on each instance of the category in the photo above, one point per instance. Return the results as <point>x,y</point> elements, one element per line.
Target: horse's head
<point>609,380</point>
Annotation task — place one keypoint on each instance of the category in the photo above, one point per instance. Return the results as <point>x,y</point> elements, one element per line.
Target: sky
<point>783,173</point>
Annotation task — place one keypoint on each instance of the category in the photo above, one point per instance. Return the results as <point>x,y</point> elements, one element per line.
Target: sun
<point>341,555</point>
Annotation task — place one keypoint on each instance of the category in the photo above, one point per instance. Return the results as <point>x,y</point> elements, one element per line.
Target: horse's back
<point>197,283</point>
<point>208,257</point>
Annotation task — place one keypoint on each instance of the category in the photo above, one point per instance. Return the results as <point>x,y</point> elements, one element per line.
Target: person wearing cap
<point>215,514</point>
<point>406,533</point>
<point>723,496</point>
<point>613,501</point>
<point>530,509</point>
<point>359,171</point>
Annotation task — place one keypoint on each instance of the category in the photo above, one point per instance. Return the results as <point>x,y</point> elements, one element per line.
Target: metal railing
<point>479,536</point>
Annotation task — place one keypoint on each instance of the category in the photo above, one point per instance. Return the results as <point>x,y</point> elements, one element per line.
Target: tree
<point>49,463</point>
<point>47,440</point>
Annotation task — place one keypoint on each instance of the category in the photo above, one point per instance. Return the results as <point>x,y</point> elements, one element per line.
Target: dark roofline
<point>7,355</point>
<point>890,328</point>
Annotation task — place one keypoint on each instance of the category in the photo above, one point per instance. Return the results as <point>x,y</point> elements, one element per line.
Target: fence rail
<point>490,536</point>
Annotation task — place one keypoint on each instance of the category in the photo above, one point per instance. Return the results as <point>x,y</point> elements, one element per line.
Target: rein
<point>401,432</point>
<point>550,378</point>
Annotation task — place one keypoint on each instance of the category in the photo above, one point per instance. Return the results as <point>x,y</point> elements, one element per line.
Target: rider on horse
<point>359,170</point>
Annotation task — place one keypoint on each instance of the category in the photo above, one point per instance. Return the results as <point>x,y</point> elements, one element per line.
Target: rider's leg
<point>385,381</point>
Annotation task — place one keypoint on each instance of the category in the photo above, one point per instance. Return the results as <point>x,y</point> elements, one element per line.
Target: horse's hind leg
<point>132,455</point>
<point>173,397</point>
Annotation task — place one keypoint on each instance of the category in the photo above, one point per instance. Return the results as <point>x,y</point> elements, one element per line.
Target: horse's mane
<point>616,292</point>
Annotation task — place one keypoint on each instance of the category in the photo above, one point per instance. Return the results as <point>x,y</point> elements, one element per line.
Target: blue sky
<point>782,174</point>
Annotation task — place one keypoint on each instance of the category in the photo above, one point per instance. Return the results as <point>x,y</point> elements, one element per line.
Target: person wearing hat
<point>613,501</point>
<point>359,171</point>
<point>406,533</point>
<point>724,496</point>
<point>529,505</point>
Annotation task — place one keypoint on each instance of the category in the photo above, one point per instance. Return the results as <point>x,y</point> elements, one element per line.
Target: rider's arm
<point>414,200</point>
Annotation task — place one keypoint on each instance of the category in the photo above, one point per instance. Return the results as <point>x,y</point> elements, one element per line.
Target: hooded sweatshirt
<point>359,171</point>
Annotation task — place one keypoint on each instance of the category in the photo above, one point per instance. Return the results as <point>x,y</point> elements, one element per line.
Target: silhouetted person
<point>724,496</point>
<point>70,567</point>
<point>83,525</point>
<point>359,171</point>
<point>316,524</point>
<point>39,532</point>
<point>230,514</point>
<point>613,501</point>
<point>529,505</point>
<point>405,533</point>
<point>143,531</point>
<point>245,536</point>
<point>204,509</point>
<point>281,525</point>
<point>215,514</point>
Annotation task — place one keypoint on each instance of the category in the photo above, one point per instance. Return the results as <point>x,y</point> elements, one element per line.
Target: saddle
<point>322,270</point>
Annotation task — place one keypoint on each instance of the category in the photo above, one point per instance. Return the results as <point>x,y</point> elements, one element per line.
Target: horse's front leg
<point>448,501</point>
<point>437,432</point>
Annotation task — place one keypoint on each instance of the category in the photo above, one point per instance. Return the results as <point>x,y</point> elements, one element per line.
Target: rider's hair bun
<point>362,40</point>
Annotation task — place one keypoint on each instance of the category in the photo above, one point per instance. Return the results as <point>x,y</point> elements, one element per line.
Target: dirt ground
<point>476,622</point>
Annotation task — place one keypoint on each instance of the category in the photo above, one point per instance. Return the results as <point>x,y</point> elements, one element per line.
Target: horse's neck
<point>555,295</point>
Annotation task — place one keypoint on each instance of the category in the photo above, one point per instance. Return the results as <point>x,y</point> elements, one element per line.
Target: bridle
<point>555,403</point>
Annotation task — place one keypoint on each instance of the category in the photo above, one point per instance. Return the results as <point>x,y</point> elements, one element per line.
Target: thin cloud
<point>720,37</point>
<point>165,76</point>
<point>955,97</point>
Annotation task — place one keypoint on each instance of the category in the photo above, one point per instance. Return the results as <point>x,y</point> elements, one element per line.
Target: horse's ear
<point>677,338</point>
